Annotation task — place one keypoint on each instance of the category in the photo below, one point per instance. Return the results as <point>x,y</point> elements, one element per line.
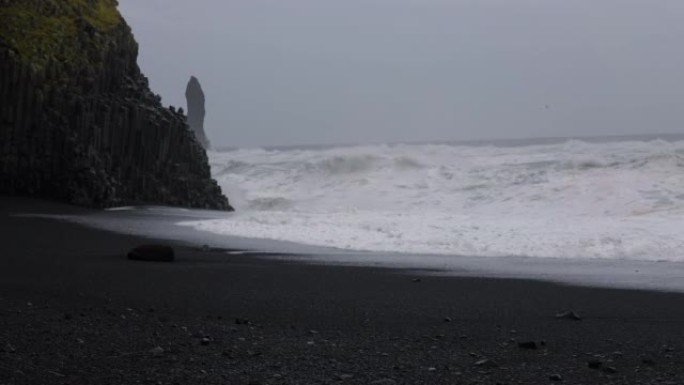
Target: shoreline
<point>74,310</point>
<point>162,223</point>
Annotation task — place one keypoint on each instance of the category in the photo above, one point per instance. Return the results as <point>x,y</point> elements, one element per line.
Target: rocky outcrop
<point>78,122</point>
<point>195,98</point>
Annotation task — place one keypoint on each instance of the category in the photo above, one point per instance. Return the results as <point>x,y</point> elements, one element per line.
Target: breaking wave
<point>573,199</point>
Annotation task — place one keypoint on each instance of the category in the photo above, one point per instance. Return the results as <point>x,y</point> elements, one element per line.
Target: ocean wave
<point>570,199</point>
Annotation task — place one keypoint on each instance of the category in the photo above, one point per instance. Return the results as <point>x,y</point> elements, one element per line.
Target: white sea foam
<point>620,200</point>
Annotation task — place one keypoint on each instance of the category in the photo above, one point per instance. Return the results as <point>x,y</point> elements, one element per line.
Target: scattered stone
<point>610,370</point>
<point>384,381</point>
<point>157,351</point>
<point>531,345</point>
<point>485,363</point>
<point>156,253</point>
<point>648,361</point>
<point>569,315</point>
<point>555,377</point>
<point>346,376</point>
<point>447,319</point>
<point>242,321</point>
<point>68,316</point>
<point>594,364</point>
<point>416,280</point>
<point>9,348</point>
<point>205,341</point>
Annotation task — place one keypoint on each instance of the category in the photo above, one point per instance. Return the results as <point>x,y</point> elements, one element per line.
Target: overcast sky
<point>324,71</point>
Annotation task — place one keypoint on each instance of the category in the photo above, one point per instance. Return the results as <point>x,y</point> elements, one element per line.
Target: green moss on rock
<point>78,121</point>
<point>103,15</point>
<point>43,30</point>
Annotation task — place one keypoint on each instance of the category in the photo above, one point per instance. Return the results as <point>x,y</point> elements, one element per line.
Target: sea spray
<point>568,199</point>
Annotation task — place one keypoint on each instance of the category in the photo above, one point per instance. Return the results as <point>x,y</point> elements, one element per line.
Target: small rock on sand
<point>595,364</point>
<point>155,253</point>
<point>157,351</point>
<point>384,381</point>
<point>527,345</point>
<point>485,363</point>
<point>609,370</point>
<point>569,315</point>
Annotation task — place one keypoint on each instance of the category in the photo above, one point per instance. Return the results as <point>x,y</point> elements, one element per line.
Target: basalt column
<point>78,121</point>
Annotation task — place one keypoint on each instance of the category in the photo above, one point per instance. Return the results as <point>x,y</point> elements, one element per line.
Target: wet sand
<point>74,310</point>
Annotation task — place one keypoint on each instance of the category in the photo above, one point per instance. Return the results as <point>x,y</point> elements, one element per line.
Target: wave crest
<point>604,200</point>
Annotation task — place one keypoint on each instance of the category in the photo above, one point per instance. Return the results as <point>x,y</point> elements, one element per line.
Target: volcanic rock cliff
<point>195,97</point>
<point>78,122</point>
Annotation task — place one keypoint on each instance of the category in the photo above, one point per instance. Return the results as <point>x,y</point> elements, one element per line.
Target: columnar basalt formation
<point>78,122</point>
<point>195,98</point>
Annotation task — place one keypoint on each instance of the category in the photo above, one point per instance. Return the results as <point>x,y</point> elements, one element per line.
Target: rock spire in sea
<point>195,98</point>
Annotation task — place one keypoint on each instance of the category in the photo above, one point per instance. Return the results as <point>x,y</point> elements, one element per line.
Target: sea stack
<point>78,121</point>
<point>195,98</point>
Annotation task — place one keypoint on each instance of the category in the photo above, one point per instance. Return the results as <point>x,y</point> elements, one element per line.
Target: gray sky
<point>324,71</point>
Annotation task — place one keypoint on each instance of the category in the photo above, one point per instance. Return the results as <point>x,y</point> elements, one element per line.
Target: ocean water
<point>605,199</point>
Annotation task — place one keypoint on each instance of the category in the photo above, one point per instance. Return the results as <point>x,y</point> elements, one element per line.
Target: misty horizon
<point>311,72</point>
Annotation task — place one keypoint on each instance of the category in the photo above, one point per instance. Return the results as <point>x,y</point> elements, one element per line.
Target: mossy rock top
<point>63,30</point>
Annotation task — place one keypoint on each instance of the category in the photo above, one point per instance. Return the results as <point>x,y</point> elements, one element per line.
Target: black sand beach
<point>74,310</point>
